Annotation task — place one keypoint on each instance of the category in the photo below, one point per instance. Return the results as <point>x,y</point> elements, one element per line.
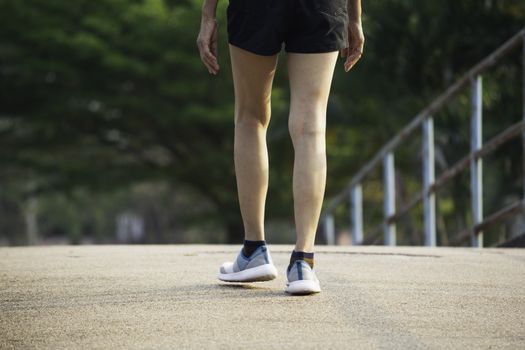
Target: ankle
<point>304,247</point>
<point>308,257</point>
<point>250,246</point>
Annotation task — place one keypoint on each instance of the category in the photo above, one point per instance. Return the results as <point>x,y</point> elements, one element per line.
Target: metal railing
<point>424,119</point>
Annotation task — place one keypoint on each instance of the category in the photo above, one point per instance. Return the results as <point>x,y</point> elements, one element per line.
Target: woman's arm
<point>207,39</point>
<point>354,11</point>
<point>356,39</point>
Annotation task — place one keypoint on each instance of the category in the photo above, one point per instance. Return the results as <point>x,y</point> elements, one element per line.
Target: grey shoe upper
<point>300,270</point>
<point>260,256</point>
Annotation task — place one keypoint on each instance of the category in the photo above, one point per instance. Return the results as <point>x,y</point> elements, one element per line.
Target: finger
<point>211,58</point>
<point>349,65</point>
<point>208,58</point>
<point>215,53</point>
<point>207,63</point>
<point>351,61</point>
<point>210,65</point>
<point>214,49</point>
<point>355,51</point>
<point>344,52</point>
<point>354,57</point>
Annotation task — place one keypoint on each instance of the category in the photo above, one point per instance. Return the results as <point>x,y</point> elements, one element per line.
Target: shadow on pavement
<point>252,290</point>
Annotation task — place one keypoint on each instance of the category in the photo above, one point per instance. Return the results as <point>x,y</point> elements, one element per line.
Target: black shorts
<point>304,26</point>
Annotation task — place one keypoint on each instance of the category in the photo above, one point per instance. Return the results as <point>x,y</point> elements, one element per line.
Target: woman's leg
<point>310,80</point>
<point>252,77</point>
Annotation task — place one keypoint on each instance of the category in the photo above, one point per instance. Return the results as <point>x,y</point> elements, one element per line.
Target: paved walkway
<point>168,297</point>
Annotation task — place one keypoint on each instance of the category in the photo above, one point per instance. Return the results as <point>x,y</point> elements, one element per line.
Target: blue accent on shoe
<point>242,255</point>
<point>299,270</point>
<point>264,250</point>
<point>242,261</point>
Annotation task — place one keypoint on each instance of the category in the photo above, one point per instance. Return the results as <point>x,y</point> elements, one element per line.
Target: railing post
<point>476,170</point>
<point>523,116</point>
<point>329,229</point>
<point>390,198</point>
<point>429,198</point>
<point>357,214</point>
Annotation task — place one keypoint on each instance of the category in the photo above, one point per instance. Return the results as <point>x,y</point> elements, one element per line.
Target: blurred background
<point>112,131</point>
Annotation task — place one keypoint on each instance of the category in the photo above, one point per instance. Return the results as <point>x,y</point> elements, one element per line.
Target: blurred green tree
<point>103,94</point>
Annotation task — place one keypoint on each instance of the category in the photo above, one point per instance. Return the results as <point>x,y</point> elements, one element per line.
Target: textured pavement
<point>117,297</point>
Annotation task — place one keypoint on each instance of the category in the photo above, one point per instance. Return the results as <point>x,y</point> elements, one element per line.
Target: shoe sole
<point>260,273</point>
<point>303,287</point>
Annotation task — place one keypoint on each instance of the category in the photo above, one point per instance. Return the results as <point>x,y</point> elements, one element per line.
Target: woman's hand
<point>356,41</point>
<point>207,44</point>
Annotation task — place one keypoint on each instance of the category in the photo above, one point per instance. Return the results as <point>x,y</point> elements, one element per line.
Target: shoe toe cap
<point>227,267</point>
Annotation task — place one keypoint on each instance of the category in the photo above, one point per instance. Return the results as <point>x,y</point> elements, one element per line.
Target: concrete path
<point>168,297</point>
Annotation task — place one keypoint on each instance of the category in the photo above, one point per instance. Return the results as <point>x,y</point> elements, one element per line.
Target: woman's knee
<point>308,126</point>
<point>252,114</point>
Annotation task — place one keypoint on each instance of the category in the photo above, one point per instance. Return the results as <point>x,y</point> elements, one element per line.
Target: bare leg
<point>310,80</point>
<point>252,76</point>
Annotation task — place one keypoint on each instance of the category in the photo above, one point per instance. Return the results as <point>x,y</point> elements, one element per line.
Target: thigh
<point>252,79</point>
<point>310,81</point>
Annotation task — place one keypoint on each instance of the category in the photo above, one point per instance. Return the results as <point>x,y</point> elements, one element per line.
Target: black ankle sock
<point>307,257</point>
<point>250,246</point>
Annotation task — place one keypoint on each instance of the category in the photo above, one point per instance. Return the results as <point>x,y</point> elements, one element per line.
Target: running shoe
<point>301,279</point>
<point>257,267</point>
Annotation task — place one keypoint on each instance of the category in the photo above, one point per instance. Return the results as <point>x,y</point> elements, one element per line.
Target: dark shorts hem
<point>289,49</point>
<point>247,47</point>
<point>317,49</point>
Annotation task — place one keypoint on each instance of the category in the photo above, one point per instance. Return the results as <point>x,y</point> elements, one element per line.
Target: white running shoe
<point>257,267</point>
<point>302,279</point>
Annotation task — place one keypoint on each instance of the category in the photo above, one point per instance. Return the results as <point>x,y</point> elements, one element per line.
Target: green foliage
<point>103,94</point>
<point>413,51</point>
